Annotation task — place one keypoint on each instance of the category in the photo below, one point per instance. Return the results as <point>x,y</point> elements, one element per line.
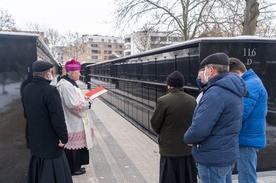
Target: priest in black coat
<point>47,128</point>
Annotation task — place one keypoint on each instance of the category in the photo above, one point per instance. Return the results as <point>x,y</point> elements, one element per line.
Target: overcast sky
<point>83,16</point>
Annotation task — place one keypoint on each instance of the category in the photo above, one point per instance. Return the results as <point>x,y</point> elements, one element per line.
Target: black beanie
<point>216,58</point>
<point>175,79</point>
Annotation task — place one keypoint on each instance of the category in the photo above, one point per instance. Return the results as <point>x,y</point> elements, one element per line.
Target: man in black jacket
<point>47,128</point>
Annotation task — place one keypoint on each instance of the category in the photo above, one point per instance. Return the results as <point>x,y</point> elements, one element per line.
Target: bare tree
<point>142,39</point>
<point>240,17</point>
<point>74,45</point>
<point>223,20</point>
<point>54,38</point>
<point>33,26</point>
<point>71,41</point>
<point>6,21</point>
<point>251,14</point>
<point>266,25</point>
<point>177,16</point>
<point>199,18</point>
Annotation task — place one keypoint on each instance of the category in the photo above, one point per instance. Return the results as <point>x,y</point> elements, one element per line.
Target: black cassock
<point>55,170</point>
<point>177,170</point>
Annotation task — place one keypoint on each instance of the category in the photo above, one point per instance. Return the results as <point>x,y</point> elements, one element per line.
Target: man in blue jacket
<point>252,136</point>
<point>217,121</point>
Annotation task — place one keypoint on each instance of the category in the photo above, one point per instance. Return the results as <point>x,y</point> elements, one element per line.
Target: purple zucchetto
<point>72,65</point>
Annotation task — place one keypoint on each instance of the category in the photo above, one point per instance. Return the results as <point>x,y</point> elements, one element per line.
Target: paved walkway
<point>121,152</point>
<point>124,154</point>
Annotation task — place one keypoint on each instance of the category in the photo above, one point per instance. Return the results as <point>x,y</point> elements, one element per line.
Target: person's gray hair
<point>219,68</point>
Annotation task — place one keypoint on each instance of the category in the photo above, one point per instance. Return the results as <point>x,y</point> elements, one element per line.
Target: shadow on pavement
<point>14,156</point>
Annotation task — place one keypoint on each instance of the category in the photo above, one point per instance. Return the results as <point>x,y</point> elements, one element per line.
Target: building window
<point>109,52</point>
<point>109,40</point>
<point>171,39</point>
<point>109,46</point>
<point>94,57</point>
<point>90,39</point>
<point>102,40</point>
<point>119,52</point>
<point>163,38</point>
<point>94,51</point>
<point>128,53</point>
<point>178,39</point>
<point>94,45</point>
<point>127,40</point>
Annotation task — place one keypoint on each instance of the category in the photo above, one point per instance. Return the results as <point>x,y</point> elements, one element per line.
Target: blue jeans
<point>247,165</point>
<point>215,174</point>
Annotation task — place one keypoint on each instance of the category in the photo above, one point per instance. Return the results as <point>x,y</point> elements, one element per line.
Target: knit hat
<point>216,58</point>
<point>41,66</point>
<point>72,65</point>
<point>175,79</point>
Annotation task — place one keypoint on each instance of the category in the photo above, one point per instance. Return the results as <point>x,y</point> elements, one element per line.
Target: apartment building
<point>98,48</point>
<point>142,41</point>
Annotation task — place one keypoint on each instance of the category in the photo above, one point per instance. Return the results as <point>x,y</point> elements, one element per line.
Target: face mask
<point>206,78</point>
<point>198,82</point>
<point>51,77</point>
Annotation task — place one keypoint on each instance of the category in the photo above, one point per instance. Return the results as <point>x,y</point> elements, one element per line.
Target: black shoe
<point>82,168</point>
<point>79,172</point>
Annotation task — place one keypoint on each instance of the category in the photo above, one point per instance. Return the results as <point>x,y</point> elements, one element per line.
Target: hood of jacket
<point>231,82</point>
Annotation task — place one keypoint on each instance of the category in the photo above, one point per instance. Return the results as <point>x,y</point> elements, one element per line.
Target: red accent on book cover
<point>96,92</point>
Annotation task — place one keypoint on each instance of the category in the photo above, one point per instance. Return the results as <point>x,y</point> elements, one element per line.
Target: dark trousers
<point>177,170</point>
<point>76,158</point>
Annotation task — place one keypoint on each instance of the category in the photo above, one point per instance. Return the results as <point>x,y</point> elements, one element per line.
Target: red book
<point>96,92</point>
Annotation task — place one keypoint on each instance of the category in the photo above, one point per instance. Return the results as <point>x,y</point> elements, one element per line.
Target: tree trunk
<point>251,14</point>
